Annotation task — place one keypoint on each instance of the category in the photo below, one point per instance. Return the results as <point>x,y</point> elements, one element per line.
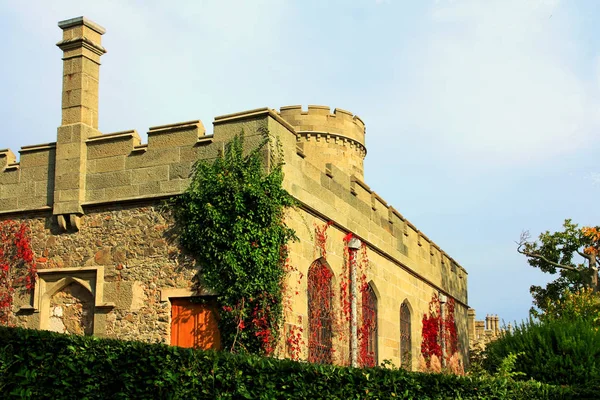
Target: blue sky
<point>482,116</point>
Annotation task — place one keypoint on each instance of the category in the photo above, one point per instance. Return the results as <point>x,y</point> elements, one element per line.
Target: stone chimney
<point>81,46</point>
<point>471,324</point>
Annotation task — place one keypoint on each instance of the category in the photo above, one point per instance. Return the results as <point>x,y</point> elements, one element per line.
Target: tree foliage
<point>231,219</point>
<point>584,304</point>
<point>573,253</point>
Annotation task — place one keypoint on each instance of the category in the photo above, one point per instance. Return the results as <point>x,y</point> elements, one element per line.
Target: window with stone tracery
<point>368,354</point>
<point>405,336</point>
<point>320,313</point>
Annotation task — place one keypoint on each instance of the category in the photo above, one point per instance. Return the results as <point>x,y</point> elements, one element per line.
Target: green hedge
<point>40,364</point>
<point>560,352</point>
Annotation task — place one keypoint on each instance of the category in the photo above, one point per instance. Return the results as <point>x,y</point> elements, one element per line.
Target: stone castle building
<point>482,332</point>
<point>108,265</point>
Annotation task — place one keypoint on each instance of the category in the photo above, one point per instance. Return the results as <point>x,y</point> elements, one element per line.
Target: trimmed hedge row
<point>40,364</point>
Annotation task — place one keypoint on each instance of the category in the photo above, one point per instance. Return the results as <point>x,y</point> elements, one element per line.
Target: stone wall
<point>133,245</point>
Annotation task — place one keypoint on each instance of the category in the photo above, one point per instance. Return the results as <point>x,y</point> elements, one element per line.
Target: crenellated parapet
<point>120,167</point>
<point>325,136</point>
<point>27,184</point>
<point>86,168</point>
<point>7,159</point>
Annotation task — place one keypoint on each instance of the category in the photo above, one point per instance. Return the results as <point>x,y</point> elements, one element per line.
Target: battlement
<point>329,137</point>
<point>320,119</point>
<point>27,184</point>
<point>7,158</point>
<point>120,167</point>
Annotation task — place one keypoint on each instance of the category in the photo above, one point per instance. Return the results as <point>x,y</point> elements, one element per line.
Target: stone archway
<point>71,310</point>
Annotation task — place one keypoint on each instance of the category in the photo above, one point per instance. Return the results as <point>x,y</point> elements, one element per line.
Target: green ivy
<point>231,219</point>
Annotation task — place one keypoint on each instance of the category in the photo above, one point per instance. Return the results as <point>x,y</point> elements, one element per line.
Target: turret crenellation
<point>329,137</point>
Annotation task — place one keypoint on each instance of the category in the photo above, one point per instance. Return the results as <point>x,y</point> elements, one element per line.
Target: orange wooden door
<point>194,324</point>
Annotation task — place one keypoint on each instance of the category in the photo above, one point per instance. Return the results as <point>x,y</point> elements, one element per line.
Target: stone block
<point>67,207</point>
<point>183,138</point>
<point>90,67</point>
<point>67,195</point>
<point>67,181</point>
<point>110,148</point>
<point>95,195</point>
<point>150,174</point>
<point>44,188</point>
<point>73,115</point>
<point>83,131</point>
<point>149,188</point>
<point>72,82</point>
<point>72,98</point>
<point>205,152</point>
<point>68,166</point>
<point>8,204</point>
<point>37,158</point>
<point>109,179</point>
<point>66,151</point>
<point>121,192</point>
<point>31,203</point>
<point>34,173</point>
<point>9,177</point>
<point>180,170</point>
<point>107,164</point>
<point>120,293</point>
<point>17,190</point>
<point>152,158</point>
<point>175,186</point>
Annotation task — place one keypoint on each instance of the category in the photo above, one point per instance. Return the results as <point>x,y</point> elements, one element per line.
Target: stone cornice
<point>69,23</point>
<point>78,42</point>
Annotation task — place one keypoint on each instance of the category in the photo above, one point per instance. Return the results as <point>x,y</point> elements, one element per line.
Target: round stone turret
<point>325,137</point>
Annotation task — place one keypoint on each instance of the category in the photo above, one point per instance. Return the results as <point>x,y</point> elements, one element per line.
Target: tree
<point>572,252</point>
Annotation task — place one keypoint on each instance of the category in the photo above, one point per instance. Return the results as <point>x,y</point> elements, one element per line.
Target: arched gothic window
<point>405,336</point>
<point>320,313</point>
<point>368,351</point>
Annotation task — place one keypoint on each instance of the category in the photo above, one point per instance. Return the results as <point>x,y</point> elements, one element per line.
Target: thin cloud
<point>499,79</point>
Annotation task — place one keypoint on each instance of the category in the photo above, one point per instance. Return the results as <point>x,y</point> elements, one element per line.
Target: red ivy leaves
<point>17,264</point>
<point>321,239</point>
<point>438,329</point>
<point>295,341</point>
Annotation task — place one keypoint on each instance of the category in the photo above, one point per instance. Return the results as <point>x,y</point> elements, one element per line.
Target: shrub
<point>40,364</point>
<point>557,352</point>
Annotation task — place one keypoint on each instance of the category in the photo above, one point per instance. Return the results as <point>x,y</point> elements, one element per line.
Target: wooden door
<point>194,324</point>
